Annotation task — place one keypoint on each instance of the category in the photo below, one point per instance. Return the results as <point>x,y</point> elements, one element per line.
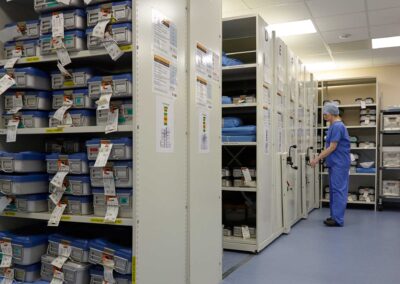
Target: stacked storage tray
<point>53,5</point>
<point>22,185</point>
<point>80,117</point>
<point>78,164</point>
<point>122,173</point>
<point>79,97</point>
<point>118,11</point>
<point>23,162</point>
<point>63,145</point>
<point>125,113</point>
<point>73,41</point>
<point>79,79</point>
<point>97,276</point>
<point>32,203</point>
<point>124,201</point>
<point>73,20</point>
<point>79,247</point>
<point>121,85</point>
<point>25,29</point>
<point>29,48</point>
<point>121,33</point>
<point>75,185</point>
<point>76,205</point>
<point>32,100</point>
<point>391,157</point>
<point>121,149</point>
<point>25,273</point>
<point>391,122</point>
<point>28,78</point>
<point>28,119</point>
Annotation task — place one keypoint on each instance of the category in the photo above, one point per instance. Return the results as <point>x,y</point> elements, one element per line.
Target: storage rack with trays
<point>347,90</point>
<point>149,193</point>
<point>388,137</point>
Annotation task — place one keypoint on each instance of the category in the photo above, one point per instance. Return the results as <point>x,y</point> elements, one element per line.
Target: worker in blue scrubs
<point>337,156</point>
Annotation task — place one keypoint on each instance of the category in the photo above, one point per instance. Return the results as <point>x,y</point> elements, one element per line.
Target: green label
<point>124,200</point>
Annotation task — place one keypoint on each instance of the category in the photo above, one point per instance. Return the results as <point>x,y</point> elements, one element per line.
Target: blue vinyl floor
<point>365,251</point>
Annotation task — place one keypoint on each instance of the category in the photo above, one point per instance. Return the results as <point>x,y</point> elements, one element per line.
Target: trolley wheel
<point>380,207</point>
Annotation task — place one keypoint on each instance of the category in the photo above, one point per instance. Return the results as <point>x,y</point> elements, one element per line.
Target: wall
<point>388,78</point>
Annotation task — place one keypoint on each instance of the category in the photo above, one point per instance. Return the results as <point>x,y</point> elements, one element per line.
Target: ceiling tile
<point>382,4</point>
<point>321,8</point>
<point>259,3</point>
<point>384,17</point>
<point>316,58</point>
<point>353,55</point>
<point>340,22</point>
<point>284,13</point>
<point>386,56</point>
<point>233,5</point>
<point>350,46</point>
<point>355,35</point>
<point>384,31</point>
<point>304,45</point>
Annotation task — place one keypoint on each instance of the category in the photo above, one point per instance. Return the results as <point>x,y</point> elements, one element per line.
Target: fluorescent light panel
<point>293,28</point>
<point>385,42</point>
<point>321,66</point>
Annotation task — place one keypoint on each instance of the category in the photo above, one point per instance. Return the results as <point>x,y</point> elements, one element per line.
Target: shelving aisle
<point>359,101</point>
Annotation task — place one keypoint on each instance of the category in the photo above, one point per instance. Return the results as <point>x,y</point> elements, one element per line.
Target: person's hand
<point>314,163</point>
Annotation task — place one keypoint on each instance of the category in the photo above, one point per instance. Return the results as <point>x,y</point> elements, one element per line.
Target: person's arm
<point>325,153</point>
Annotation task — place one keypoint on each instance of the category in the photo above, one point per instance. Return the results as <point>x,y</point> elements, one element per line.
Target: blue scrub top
<point>337,132</point>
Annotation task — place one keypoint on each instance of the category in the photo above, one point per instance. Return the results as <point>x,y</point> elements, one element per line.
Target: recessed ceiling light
<point>385,42</point>
<point>321,66</point>
<point>345,36</point>
<point>293,28</point>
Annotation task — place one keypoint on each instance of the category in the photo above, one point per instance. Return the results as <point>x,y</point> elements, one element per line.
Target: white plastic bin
<point>80,118</point>
<point>97,276</point>
<point>78,163</point>
<point>121,11</point>
<point>79,79</point>
<point>238,173</point>
<point>122,174</point>
<point>73,20</point>
<point>25,29</point>
<point>74,273</point>
<point>121,33</point>
<point>125,114</point>
<point>79,97</point>
<point>391,157</point>
<point>391,187</point>
<point>23,162</point>
<point>124,200</point>
<point>79,246</point>
<point>62,145</point>
<point>73,41</point>
<point>28,119</point>
<point>121,149</point>
<point>122,256</point>
<point>25,273</point>
<point>26,184</point>
<point>27,248</point>
<point>391,122</point>
<point>75,185</point>
<point>121,85</point>
<point>32,203</point>
<point>53,5</point>
<point>28,78</point>
<point>28,47</point>
<point>32,100</point>
<point>76,205</point>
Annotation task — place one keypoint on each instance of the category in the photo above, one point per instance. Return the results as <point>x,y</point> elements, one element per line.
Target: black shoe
<point>331,223</point>
<point>329,219</point>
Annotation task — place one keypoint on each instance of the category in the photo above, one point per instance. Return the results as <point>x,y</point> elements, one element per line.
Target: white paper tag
<point>104,102</point>
<point>106,88</point>
<point>103,155</point>
<point>16,53</point>
<point>11,62</point>
<point>17,104</point>
<point>6,261</point>
<point>56,215</point>
<point>366,197</point>
<point>58,179</point>
<point>63,56</point>
<point>9,274</point>
<point>108,275</point>
<point>367,121</point>
<point>104,14</point>
<point>363,104</point>
<point>12,127</point>
<point>4,202</point>
<point>57,25</point>
<point>108,262</point>
<point>59,261</point>
<point>112,210</point>
<point>57,195</point>
<point>63,70</point>
<point>67,121</point>
<point>246,175</point>
<point>57,42</point>
<point>6,82</point>
<point>100,29</point>
<point>66,2</point>
<point>87,2</point>
<point>59,114</point>
<point>111,45</point>
<point>245,232</point>
<point>6,248</point>
<point>64,250</point>
<point>112,121</point>
<point>58,277</point>
<point>109,183</point>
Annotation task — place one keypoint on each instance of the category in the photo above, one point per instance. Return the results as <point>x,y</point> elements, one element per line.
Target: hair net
<point>331,109</point>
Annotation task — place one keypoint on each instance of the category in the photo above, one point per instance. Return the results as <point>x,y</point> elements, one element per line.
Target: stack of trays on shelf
<point>234,131</point>
<point>236,177</point>
<point>366,101</point>
<point>24,180</point>
<point>366,193</point>
<point>368,117</point>
<point>391,157</point>
<point>391,122</point>
<point>227,61</point>
<point>391,188</point>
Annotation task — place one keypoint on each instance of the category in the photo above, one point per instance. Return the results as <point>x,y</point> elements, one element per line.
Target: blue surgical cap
<point>331,108</point>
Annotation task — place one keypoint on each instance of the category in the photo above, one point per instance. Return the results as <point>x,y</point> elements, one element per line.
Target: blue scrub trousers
<point>338,192</point>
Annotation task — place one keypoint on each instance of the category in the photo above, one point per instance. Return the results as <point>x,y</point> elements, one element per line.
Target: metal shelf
<point>67,130</point>
<point>393,132</point>
<point>354,174</point>
<point>90,219</point>
<point>74,55</point>
<point>239,143</point>
<point>237,243</point>
<point>352,202</point>
<point>239,105</point>
<point>389,169</point>
<point>245,189</point>
<point>358,148</point>
<point>352,106</point>
<point>353,127</point>
<point>239,67</point>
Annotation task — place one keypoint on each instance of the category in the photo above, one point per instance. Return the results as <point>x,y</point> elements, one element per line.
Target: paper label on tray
<point>109,183</point>
<point>12,127</point>
<point>4,202</point>
<point>6,248</point>
<point>112,210</point>
<point>66,2</point>
<point>57,25</point>
<point>58,277</point>
<point>17,104</point>
<point>59,261</point>
<point>56,215</point>
<point>111,45</point>
<point>64,250</point>
<point>63,56</point>
<point>103,155</point>
<point>57,43</point>
<point>9,274</point>
<point>104,14</point>
<point>108,275</point>
<point>100,29</point>
<point>58,179</point>
<point>363,104</point>
<point>59,114</point>
<point>56,196</point>
<point>63,70</point>
<point>112,121</point>
<point>16,53</point>
<point>108,261</point>
<point>6,261</point>
<point>11,62</point>
<point>245,232</point>
<point>6,82</point>
<point>246,175</point>
<point>104,102</point>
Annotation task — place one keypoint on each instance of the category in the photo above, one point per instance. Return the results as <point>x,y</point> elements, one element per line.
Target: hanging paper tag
<point>66,2</point>
<point>246,175</point>
<point>363,104</point>
<point>108,261</point>
<point>56,215</point>
<point>63,56</point>
<point>111,45</point>
<point>108,275</point>
<point>366,197</point>
<point>57,42</point>
<point>112,121</point>
<point>59,114</point>
<point>104,14</point>
<point>6,261</point>
<point>8,274</point>
<point>6,248</point>
<point>245,232</point>
<point>58,179</point>
<point>103,155</point>
<point>64,250</point>
<point>17,104</point>
<point>56,196</point>
<point>104,102</point>
<point>16,53</point>
<point>100,28</point>
<point>109,182</point>
<point>59,261</point>
<point>367,121</point>
<point>63,70</point>
<point>12,127</point>
<point>4,202</point>
<point>11,62</point>
<point>112,210</point>
<point>58,277</point>
<point>87,2</point>
<point>106,88</point>
<point>57,25</point>
<point>6,82</point>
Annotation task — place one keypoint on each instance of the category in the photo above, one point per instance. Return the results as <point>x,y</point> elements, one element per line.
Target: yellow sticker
<point>126,47</point>
<point>55,130</point>
<point>8,213</point>
<point>133,269</point>
<point>32,59</point>
<point>69,84</point>
<point>97,220</point>
<point>66,218</point>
